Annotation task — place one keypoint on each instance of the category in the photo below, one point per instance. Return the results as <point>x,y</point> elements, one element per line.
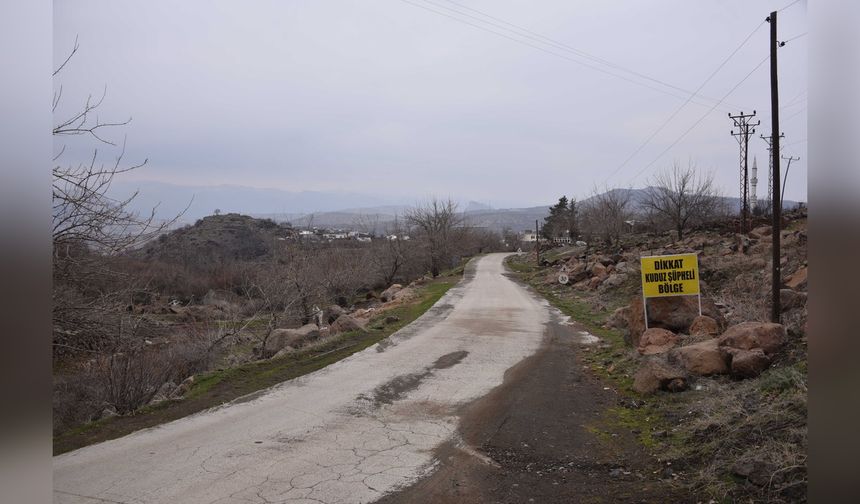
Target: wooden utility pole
<point>785,177</point>
<point>537,244</point>
<point>776,269</point>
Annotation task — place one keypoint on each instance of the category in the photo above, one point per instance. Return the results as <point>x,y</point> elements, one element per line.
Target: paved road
<point>352,432</point>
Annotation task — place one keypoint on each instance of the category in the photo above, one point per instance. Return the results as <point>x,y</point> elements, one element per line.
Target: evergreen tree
<point>556,223</point>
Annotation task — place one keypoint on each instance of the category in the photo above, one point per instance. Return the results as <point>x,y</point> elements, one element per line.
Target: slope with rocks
<point>721,397</point>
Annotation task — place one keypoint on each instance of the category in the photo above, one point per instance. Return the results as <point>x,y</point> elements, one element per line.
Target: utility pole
<point>769,141</point>
<point>776,269</point>
<point>785,177</point>
<point>537,244</point>
<point>743,135</point>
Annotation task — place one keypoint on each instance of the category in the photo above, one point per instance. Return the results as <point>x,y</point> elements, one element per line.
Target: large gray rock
<point>183,388</point>
<point>618,319</point>
<point>614,280</point>
<point>345,323</point>
<point>748,363</point>
<point>390,294</point>
<point>294,338</point>
<point>789,299</point>
<point>656,374</point>
<point>656,340</point>
<point>163,393</point>
<point>749,335</point>
<point>704,358</point>
<point>332,313</point>
<point>704,325</point>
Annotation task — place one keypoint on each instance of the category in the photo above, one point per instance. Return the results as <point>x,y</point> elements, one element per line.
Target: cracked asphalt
<point>362,428</point>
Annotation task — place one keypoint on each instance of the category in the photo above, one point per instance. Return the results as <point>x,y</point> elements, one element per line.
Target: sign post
<point>669,275</point>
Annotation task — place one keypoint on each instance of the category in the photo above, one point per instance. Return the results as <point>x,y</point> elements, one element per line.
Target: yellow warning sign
<point>670,275</point>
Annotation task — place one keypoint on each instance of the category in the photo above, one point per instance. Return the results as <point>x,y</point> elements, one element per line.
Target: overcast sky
<point>388,97</point>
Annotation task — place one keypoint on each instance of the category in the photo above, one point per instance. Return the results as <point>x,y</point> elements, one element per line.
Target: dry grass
<point>758,423</point>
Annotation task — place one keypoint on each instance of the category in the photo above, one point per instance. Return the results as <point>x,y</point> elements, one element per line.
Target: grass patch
<point>222,386</point>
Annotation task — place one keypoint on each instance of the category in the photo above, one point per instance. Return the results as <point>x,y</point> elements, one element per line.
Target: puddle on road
<point>397,388</point>
<point>450,360</point>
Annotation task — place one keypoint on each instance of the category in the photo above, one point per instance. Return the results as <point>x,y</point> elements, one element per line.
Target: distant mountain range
<point>329,209</point>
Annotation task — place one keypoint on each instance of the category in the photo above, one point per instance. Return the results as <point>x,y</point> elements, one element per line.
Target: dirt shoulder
<point>543,436</point>
<point>235,384</point>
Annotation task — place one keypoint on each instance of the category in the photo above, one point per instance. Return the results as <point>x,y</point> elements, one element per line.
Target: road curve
<point>351,432</point>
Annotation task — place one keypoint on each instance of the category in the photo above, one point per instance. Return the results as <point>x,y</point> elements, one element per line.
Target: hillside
<point>230,237</point>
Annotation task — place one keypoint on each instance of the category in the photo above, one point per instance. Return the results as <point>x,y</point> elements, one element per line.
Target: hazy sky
<point>387,97</point>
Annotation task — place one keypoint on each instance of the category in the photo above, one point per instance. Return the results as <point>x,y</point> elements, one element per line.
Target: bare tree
<point>604,213</point>
<point>83,214</point>
<point>88,227</point>
<point>391,253</point>
<point>436,220</point>
<point>682,196</point>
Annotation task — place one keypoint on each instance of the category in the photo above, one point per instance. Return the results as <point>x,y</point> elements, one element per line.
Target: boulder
<point>618,319</point>
<point>675,313</point>
<point>748,363</point>
<point>332,313</point>
<point>761,231</point>
<point>108,412</point>
<point>345,323</point>
<point>578,273</point>
<point>614,280</point>
<point>595,282</point>
<point>789,299</point>
<point>623,267</point>
<point>656,374</point>
<point>749,335</point>
<point>798,279</point>
<point>163,393</point>
<point>183,388</point>
<point>295,338</point>
<point>704,358</point>
<point>704,325</point>
<point>390,294</point>
<point>390,319</point>
<point>656,340</point>
<point>606,261</point>
<point>598,270</point>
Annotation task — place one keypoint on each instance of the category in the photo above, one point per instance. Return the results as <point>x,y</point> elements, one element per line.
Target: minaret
<point>753,182</point>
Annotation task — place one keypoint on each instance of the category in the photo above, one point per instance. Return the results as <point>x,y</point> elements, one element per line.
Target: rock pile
<point>744,350</point>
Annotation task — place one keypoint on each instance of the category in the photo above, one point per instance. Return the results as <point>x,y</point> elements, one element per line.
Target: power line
<point>794,114</point>
<point>787,6</point>
<point>561,45</point>
<point>791,102</point>
<point>678,110</point>
<point>783,42</point>
<point>706,114</point>
<point>539,48</point>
